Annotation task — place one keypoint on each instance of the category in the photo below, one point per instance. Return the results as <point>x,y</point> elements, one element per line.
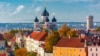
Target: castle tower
<point>44,15</point>
<point>36,23</point>
<point>89,23</point>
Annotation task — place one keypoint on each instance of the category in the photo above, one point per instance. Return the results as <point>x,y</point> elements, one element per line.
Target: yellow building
<point>69,47</point>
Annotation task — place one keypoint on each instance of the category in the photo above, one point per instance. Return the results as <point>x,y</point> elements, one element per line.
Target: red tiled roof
<point>34,34</point>
<point>2,54</point>
<point>72,42</point>
<point>40,36</point>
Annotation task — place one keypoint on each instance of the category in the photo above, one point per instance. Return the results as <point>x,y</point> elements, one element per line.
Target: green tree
<point>51,40</point>
<point>64,30</point>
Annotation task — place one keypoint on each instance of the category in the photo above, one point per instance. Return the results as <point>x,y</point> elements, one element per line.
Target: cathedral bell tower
<point>36,23</point>
<point>44,15</point>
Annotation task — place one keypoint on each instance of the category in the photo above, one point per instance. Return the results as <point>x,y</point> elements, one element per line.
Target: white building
<point>35,42</point>
<point>89,22</point>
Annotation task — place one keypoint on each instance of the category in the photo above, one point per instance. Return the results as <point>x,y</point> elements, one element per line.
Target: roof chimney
<point>85,43</point>
<point>69,36</point>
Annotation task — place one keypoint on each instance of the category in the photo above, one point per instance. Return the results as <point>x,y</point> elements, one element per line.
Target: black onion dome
<point>47,19</point>
<point>54,19</point>
<point>36,19</point>
<point>45,13</point>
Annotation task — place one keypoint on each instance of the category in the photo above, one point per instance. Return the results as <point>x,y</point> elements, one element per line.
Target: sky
<point>24,11</point>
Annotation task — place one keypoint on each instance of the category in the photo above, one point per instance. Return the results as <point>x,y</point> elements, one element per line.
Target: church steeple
<point>45,12</point>
<point>54,19</point>
<point>36,19</point>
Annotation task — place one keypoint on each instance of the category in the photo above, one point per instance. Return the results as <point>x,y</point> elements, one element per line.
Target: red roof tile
<point>40,36</point>
<point>72,42</point>
<point>34,34</point>
<point>2,54</point>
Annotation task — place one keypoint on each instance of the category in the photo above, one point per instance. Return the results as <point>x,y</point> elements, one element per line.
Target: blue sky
<point>24,11</point>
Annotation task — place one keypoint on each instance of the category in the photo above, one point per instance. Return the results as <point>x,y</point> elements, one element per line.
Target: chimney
<point>85,43</point>
<point>69,36</point>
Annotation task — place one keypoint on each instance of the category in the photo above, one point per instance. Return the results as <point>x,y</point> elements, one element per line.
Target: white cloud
<point>37,9</point>
<point>18,9</point>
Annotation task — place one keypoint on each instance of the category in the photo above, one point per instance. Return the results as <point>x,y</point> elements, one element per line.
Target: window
<point>92,54</point>
<point>96,54</point>
<point>90,49</point>
<point>74,50</point>
<point>80,50</point>
<point>96,49</point>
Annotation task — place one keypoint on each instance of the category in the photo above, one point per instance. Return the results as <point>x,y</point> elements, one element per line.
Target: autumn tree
<point>20,52</point>
<point>72,33</point>
<point>13,32</point>
<point>64,30</point>
<point>51,40</point>
<point>98,28</point>
<point>31,54</point>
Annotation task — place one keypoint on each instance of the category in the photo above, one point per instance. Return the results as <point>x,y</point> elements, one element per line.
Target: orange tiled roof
<point>40,36</point>
<point>34,34</point>
<point>72,42</point>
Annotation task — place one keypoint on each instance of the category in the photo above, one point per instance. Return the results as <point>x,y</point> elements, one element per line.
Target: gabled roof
<point>72,42</point>
<point>40,36</point>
